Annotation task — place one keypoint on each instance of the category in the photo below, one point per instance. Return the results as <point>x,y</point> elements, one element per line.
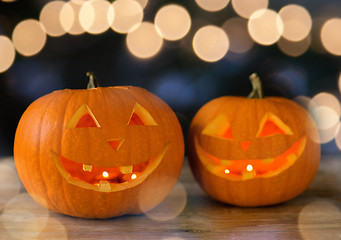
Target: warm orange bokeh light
<point>29,37</point>
<point>173,22</point>
<point>210,43</point>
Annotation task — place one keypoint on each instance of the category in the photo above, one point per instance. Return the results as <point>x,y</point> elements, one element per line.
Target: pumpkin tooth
<point>225,162</point>
<point>268,160</point>
<point>248,175</point>
<point>104,186</point>
<point>87,168</point>
<point>126,169</point>
<point>292,158</point>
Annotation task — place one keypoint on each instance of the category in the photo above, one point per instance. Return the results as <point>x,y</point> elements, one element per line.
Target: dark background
<point>175,74</point>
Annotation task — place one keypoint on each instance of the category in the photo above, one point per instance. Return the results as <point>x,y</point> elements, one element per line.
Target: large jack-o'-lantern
<point>99,152</point>
<point>253,151</point>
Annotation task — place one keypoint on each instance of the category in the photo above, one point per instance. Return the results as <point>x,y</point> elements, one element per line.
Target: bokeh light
<point>7,53</point>
<point>55,227</point>
<point>173,22</point>
<point>338,137</point>
<point>329,100</point>
<point>297,22</point>
<point>331,36</point>
<point>171,206</point>
<point>265,26</point>
<point>8,0</point>
<point>325,117</point>
<point>50,18</point>
<point>325,109</point>
<point>316,213</point>
<point>143,3</point>
<point>245,8</point>
<point>96,16</point>
<point>212,5</point>
<point>294,49</point>
<point>69,18</point>
<point>128,15</point>
<point>144,42</point>
<point>9,176</point>
<point>339,82</point>
<point>210,43</point>
<point>236,29</point>
<point>29,37</point>
<point>30,219</point>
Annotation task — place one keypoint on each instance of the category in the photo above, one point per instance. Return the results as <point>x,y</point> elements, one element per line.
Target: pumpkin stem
<point>93,83</point>
<point>257,91</point>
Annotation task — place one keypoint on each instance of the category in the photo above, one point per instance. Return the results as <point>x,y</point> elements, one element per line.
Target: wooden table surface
<point>188,213</point>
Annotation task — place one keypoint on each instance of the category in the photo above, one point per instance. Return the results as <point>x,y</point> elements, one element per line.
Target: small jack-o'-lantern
<point>99,152</point>
<point>253,151</point>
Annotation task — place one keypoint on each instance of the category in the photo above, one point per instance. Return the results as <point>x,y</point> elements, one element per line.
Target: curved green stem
<point>257,91</point>
<point>93,83</point>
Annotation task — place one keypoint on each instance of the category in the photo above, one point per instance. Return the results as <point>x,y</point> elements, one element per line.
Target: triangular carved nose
<point>116,143</point>
<point>245,145</point>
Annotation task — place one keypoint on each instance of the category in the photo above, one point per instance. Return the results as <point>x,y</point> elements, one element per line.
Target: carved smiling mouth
<point>251,168</point>
<point>106,179</point>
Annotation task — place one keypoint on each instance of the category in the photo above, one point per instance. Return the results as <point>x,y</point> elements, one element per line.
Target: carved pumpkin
<point>99,152</point>
<point>253,151</point>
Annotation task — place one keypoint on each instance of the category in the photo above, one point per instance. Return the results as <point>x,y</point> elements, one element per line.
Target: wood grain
<point>315,214</point>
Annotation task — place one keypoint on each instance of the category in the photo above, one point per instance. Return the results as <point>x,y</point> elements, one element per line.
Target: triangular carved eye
<point>83,118</point>
<point>140,116</point>
<point>272,125</point>
<point>219,127</point>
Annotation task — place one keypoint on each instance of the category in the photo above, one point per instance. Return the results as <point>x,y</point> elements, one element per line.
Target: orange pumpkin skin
<point>221,163</point>
<point>98,129</point>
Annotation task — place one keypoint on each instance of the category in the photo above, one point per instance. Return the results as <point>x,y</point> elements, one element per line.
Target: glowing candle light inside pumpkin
<point>227,171</point>
<point>133,176</point>
<point>105,174</point>
<point>249,168</point>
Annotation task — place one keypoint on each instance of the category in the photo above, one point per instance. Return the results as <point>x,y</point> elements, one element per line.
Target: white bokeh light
<point>69,17</point>
<point>30,219</point>
<point>210,43</point>
<point>212,5</point>
<point>173,22</point>
<point>325,110</point>
<point>29,37</point>
<point>245,8</point>
<point>316,213</point>
<point>265,27</point>
<point>128,16</point>
<point>171,206</point>
<point>50,18</point>
<point>7,55</point>
<point>331,36</point>
<point>96,16</point>
<point>144,42</point>
<point>297,22</point>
